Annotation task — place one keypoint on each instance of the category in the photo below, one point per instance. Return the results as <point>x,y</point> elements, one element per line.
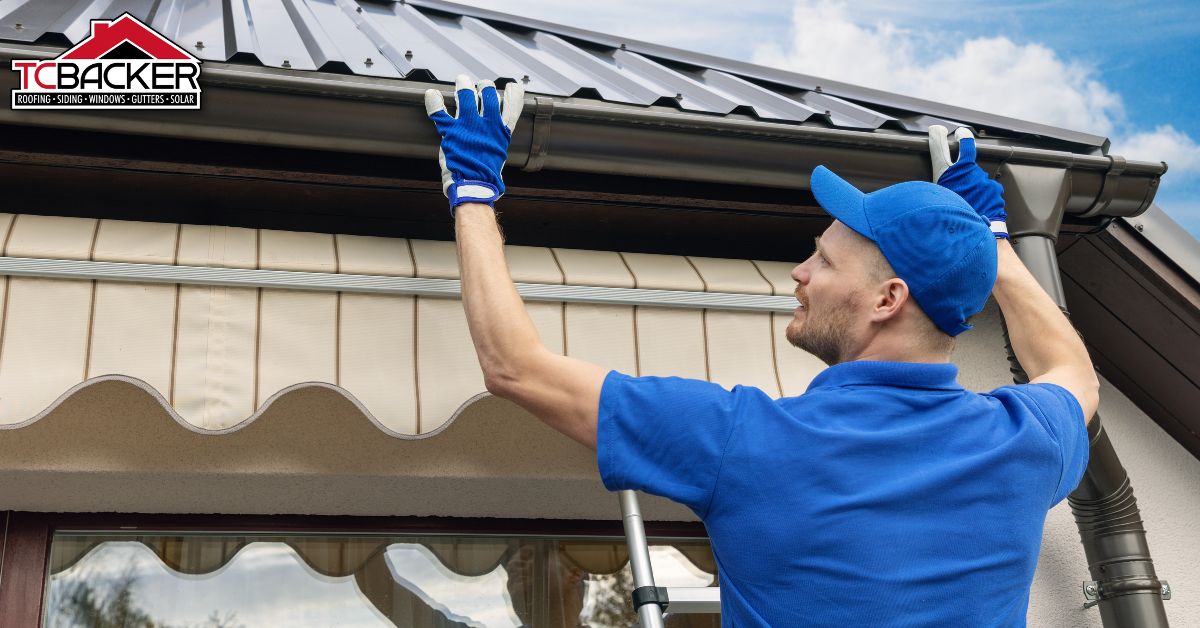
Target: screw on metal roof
<point>368,61</point>
<point>200,45</point>
<point>408,55</point>
<point>287,64</point>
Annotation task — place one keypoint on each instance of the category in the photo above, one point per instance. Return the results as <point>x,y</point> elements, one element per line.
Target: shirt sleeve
<point>1060,413</point>
<point>665,435</point>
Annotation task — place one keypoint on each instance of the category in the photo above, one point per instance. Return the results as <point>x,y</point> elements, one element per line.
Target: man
<point>886,495</point>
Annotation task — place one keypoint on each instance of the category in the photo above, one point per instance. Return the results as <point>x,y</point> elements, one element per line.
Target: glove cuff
<point>461,192</point>
<point>1000,229</point>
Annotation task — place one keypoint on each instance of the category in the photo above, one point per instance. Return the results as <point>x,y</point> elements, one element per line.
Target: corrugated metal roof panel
<point>766,103</point>
<point>690,93</point>
<point>424,39</point>
<point>607,78</point>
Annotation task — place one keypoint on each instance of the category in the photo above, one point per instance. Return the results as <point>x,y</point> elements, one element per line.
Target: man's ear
<point>889,299</point>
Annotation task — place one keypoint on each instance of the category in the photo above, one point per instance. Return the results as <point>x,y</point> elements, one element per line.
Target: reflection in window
<point>475,601</point>
<point>228,581</point>
<point>123,583</point>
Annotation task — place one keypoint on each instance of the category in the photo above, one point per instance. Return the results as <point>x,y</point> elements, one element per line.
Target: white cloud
<point>1164,143</point>
<point>993,74</point>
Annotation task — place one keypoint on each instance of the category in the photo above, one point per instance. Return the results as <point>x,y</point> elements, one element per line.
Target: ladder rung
<point>693,600</point>
<point>646,596</point>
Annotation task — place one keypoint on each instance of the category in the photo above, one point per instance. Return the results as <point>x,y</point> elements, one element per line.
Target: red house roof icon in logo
<point>123,38</point>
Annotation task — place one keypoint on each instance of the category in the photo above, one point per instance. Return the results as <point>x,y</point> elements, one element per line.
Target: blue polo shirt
<point>885,495</point>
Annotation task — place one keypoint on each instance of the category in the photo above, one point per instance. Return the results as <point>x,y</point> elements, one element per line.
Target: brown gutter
<point>325,111</point>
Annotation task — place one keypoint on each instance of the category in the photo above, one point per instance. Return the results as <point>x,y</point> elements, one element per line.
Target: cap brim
<point>842,200</point>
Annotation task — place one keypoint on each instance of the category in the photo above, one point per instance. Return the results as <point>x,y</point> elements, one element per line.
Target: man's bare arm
<point>1045,342</point>
<point>561,391</point>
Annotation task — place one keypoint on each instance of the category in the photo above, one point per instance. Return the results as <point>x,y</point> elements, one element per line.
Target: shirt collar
<point>942,376</point>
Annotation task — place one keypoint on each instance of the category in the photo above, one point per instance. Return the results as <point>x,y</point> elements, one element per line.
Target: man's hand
<point>474,141</point>
<point>966,178</point>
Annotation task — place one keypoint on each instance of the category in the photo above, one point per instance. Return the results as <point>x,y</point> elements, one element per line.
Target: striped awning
<point>219,354</point>
<point>215,326</point>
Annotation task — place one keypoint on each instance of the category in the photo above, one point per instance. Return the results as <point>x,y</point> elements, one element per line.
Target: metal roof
<point>433,40</point>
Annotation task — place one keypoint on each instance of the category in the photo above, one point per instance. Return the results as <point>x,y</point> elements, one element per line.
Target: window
<point>139,580</point>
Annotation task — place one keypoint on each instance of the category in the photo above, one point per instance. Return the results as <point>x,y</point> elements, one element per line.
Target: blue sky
<point>1128,71</point>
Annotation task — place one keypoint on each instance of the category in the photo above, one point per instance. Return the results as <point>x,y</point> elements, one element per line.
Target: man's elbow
<point>501,377</point>
<point>498,381</point>
<point>1084,383</point>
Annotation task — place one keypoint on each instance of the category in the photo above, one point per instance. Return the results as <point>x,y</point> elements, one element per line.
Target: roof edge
<point>1170,238</point>
<point>358,114</point>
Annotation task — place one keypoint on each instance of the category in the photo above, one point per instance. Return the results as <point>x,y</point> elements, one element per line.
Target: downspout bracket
<point>1094,591</point>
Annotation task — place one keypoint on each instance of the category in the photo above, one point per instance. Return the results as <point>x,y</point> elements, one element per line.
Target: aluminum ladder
<point>651,601</point>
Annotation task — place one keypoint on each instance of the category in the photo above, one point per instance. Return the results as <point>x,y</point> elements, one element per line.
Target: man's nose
<point>800,273</point>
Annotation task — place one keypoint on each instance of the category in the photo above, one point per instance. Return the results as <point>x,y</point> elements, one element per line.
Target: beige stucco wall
<point>1166,481</point>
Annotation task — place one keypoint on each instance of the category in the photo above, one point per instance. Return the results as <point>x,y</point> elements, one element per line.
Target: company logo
<point>123,64</point>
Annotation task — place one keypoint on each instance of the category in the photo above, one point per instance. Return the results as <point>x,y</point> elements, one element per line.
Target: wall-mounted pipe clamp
<point>1094,590</point>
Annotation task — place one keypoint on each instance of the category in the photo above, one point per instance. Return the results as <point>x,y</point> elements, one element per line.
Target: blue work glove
<point>475,142</point>
<point>966,177</point>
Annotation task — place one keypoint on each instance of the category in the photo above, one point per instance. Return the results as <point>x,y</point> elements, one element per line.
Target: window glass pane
<point>218,580</point>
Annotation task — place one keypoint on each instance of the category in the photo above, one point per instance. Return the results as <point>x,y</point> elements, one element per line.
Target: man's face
<point>831,289</point>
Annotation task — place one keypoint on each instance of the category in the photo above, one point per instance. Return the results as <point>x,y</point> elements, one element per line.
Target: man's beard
<point>824,336</point>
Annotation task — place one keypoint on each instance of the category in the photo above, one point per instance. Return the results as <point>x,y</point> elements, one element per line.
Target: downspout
<point>1124,584</point>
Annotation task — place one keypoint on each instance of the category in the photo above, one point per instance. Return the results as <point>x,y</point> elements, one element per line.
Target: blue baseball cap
<point>933,239</point>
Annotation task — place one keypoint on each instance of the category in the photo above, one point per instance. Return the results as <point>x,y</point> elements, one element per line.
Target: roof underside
<point>430,40</point>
